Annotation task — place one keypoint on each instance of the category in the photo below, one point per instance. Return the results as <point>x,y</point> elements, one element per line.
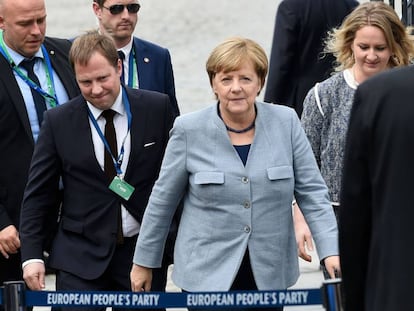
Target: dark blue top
<point>243,151</point>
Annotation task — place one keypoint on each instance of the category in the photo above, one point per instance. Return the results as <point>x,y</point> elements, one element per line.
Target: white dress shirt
<point>130,225</point>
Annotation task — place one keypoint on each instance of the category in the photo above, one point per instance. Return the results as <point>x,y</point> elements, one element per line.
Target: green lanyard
<point>132,70</point>
<point>50,95</point>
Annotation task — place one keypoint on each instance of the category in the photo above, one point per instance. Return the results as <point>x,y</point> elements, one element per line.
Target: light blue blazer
<point>229,207</point>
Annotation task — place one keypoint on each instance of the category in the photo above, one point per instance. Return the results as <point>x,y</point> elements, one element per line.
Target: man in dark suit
<point>376,215</point>
<point>103,201</point>
<point>23,38</point>
<point>296,59</point>
<point>147,65</point>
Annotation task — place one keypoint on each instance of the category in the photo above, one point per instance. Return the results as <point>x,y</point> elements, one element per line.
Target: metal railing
<point>15,297</point>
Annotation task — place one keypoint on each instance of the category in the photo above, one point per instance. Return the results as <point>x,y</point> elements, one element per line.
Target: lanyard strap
<point>132,69</point>
<point>50,96</point>
<point>117,161</point>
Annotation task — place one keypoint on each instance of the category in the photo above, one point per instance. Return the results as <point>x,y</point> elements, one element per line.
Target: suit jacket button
<point>245,180</point>
<point>247,229</point>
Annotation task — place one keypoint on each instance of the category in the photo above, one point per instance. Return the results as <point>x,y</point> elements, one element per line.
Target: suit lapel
<point>15,95</point>
<point>222,139</point>
<point>143,59</point>
<point>259,149</point>
<point>138,125</point>
<point>83,131</point>
<point>62,68</point>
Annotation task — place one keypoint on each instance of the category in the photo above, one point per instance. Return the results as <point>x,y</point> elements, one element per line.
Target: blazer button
<point>246,204</point>
<point>245,180</point>
<point>247,229</point>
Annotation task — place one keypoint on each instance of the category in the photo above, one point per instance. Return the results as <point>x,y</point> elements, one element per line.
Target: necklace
<point>230,129</point>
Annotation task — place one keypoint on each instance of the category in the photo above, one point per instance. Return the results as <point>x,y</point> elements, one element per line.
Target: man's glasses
<point>119,8</point>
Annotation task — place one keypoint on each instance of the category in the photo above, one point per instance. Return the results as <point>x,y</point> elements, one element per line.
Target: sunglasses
<point>119,8</point>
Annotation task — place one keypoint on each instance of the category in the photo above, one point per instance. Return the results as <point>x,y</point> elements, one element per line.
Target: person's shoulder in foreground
<point>376,194</point>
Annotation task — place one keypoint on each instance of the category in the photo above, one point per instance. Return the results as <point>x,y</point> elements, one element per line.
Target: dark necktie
<point>109,168</point>
<point>39,100</point>
<point>110,136</point>
<point>122,58</point>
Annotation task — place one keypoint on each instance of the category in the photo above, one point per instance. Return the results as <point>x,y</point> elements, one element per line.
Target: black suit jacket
<point>296,62</point>
<point>88,226</point>
<point>16,139</point>
<point>376,214</point>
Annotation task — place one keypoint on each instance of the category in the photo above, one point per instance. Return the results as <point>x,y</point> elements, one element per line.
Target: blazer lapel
<point>83,130</point>
<point>222,138</point>
<point>137,126</point>
<point>259,149</point>
<point>15,95</point>
<point>62,68</point>
<point>143,60</point>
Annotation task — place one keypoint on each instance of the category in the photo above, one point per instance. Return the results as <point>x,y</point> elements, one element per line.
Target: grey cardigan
<point>326,127</point>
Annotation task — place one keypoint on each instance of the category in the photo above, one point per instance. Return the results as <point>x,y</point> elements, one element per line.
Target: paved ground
<point>189,29</point>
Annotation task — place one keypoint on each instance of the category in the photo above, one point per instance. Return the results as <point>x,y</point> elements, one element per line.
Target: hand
<point>141,278</point>
<point>9,241</point>
<point>332,265</point>
<point>303,235</point>
<point>34,275</point>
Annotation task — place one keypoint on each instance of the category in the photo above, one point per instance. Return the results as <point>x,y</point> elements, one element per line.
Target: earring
<point>395,59</point>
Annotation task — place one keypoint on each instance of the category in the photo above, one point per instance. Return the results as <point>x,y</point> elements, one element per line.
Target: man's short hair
<point>99,2</point>
<point>87,44</point>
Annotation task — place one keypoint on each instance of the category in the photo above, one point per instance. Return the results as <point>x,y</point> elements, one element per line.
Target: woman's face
<point>371,52</point>
<point>237,90</point>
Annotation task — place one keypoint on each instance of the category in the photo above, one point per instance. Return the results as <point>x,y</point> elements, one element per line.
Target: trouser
<point>115,278</point>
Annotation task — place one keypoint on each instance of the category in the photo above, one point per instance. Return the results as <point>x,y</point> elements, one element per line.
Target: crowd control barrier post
<point>332,295</point>
<point>14,296</point>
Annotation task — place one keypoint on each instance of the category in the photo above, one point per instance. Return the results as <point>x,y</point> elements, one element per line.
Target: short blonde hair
<point>378,14</point>
<point>230,54</point>
<point>87,44</point>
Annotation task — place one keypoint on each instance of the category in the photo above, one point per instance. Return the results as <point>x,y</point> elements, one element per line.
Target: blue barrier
<point>16,298</point>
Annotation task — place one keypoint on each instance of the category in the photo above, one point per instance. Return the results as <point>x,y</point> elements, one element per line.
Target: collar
<point>127,49</point>
<point>17,58</point>
<point>350,79</point>
<point>117,106</point>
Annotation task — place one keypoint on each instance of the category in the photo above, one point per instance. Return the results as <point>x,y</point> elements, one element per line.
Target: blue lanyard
<point>117,161</point>
<point>49,96</point>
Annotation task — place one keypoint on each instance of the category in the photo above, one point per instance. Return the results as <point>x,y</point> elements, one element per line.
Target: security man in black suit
<point>23,97</point>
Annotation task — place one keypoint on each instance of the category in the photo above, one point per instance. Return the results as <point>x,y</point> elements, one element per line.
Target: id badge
<point>121,188</point>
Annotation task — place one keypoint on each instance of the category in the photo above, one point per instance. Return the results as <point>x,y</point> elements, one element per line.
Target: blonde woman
<point>370,40</point>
